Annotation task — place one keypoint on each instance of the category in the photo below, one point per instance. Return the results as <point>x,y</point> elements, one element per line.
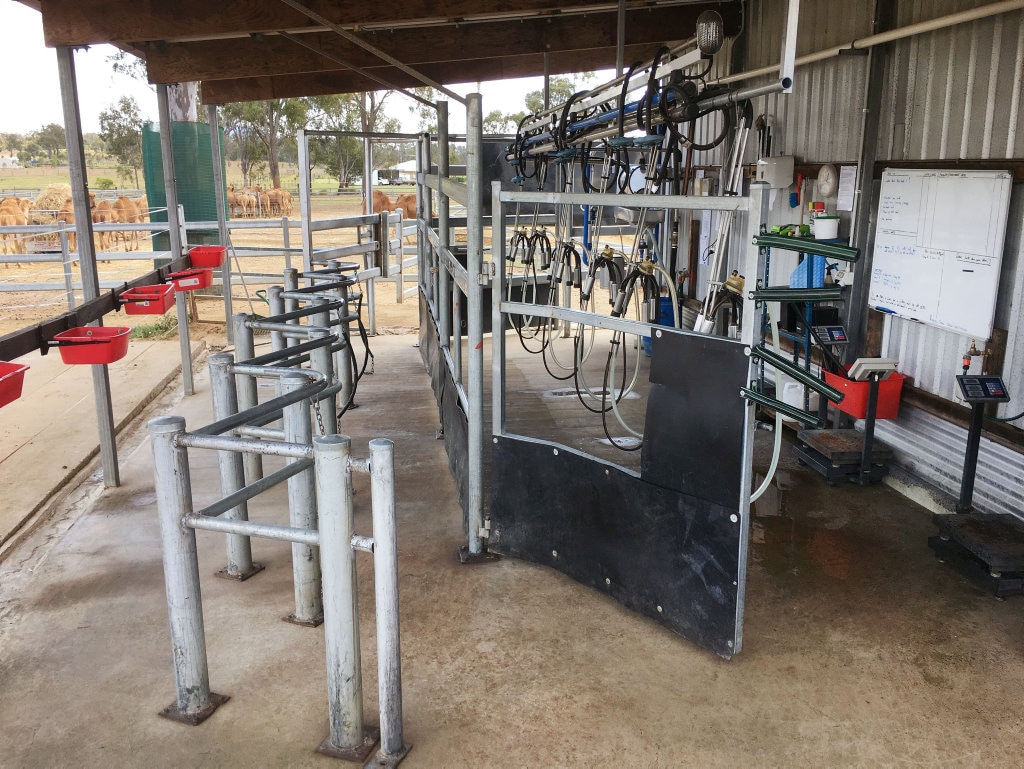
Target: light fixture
<point>710,32</point>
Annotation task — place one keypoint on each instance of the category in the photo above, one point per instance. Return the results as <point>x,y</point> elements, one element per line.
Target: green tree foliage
<point>497,122</point>
<point>12,143</point>
<point>51,140</point>
<point>342,156</point>
<point>121,131</point>
<point>272,123</point>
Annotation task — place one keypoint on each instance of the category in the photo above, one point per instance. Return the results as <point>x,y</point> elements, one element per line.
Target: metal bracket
<point>194,719</point>
<point>359,753</point>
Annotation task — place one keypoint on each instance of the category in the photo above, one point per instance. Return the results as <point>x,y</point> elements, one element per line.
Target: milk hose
<point>777,450</point>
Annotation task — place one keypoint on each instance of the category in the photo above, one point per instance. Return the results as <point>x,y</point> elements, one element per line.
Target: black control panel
<point>831,334</point>
<point>982,389</point>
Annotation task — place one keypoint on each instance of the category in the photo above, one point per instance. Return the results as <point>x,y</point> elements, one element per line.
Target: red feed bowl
<point>93,344</point>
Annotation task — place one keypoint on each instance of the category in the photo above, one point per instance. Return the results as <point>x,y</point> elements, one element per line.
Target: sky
<point>33,99</point>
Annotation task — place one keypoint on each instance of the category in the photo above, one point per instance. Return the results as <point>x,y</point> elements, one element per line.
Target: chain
<point>319,418</point>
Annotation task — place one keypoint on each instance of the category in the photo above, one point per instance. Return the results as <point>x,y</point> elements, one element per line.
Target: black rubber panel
<point>644,545</point>
<point>693,432</point>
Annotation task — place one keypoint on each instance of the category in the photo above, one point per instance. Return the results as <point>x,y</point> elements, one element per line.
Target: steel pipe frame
<point>240,565</point>
<point>385,563</point>
<point>337,543</point>
<point>302,512</point>
<point>87,256</point>
<point>756,208</point>
<point>349,737</point>
<point>248,397</point>
<point>194,702</point>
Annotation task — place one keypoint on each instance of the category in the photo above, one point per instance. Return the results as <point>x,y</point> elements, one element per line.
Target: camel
<point>128,214</point>
<point>381,202</point>
<point>66,214</point>
<point>104,213</point>
<point>12,214</point>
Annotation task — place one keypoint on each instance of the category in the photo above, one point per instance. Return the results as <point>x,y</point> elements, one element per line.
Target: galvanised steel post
<point>475,331</point>
<point>232,474</point>
<point>385,577</point>
<point>275,304</point>
<point>174,233</point>
<point>322,359</point>
<point>291,283</point>
<point>194,701</point>
<point>348,736</point>
<point>442,304</point>
<point>302,512</point>
<point>246,389</point>
<point>222,210</point>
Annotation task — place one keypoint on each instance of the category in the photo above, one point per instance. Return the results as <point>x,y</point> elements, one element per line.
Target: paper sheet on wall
<point>847,188</point>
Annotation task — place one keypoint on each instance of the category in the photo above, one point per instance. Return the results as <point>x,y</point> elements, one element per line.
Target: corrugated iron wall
<point>951,94</point>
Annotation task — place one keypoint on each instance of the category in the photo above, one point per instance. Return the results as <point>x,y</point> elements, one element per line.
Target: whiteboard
<point>939,246</point>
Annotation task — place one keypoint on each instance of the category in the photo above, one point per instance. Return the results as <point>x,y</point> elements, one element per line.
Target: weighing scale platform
<point>989,548</point>
<point>836,454</point>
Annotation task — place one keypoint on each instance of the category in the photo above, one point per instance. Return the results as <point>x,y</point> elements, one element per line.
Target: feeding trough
<point>148,300</point>
<point>207,256</point>
<point>92,344</point>
<point>191,280</point>
<point>12,376</point>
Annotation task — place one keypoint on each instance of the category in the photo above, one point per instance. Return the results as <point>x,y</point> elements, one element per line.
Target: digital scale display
<point>982,389</point>
<point>831,334</point>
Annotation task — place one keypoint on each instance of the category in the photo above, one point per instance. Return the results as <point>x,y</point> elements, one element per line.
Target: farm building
<point>707,450</point>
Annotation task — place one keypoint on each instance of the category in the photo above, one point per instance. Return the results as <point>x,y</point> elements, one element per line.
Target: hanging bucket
<point>12,376</point>
<point>191,280</point>
<point>92,344</point>
<point>207,256</point>
<point>148,300</point>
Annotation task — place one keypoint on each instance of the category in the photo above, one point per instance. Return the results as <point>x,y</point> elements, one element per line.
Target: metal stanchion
<point>240,565</point>
<point>309,608</point>
<point>194,701</point>
<point>349,738</point>
<point>385,572</point>
<point>245,350</point>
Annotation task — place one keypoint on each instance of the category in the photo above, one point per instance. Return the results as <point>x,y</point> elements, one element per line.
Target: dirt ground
<point>19,309</point>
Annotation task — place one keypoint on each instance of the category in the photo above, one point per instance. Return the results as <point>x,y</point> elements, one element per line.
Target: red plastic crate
<point>191,280</point>
<point>148,300</point>
<point>207,256</point>
<point>12,376</point>
<point>93,344</point>
<point>856,401</point>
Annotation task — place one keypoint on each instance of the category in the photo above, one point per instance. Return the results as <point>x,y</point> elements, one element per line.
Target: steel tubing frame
<point>334,538</point>
<point>240,565</point>
<point>302,514</point>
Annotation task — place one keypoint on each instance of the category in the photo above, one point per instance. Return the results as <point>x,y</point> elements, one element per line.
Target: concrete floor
<point>860,649</point>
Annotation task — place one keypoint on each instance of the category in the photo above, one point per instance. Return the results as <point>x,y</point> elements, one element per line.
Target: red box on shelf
<point>12,376</point>
<point>856,401</point>
<point>191,280</point>
<point>93,344</point>
<point>207,256</point>
<point>148,300</point>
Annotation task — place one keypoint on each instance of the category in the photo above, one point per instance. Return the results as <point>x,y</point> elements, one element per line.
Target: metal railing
<point>321,528</point>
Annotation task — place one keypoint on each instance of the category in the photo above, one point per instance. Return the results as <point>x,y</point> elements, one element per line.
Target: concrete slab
<point>50,434</point>
<point>860,648</point>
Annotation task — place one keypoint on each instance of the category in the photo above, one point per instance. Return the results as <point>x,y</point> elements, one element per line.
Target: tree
<point>349,112</point>
<point>242,144</point>
<point>12,143</point>
<point>270,122</point>
<point>497,122</point>
<point>121,131</point>
<point>51,140</point>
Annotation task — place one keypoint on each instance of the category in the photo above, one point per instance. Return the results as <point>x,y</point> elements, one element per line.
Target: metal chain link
<point>319,418</point>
